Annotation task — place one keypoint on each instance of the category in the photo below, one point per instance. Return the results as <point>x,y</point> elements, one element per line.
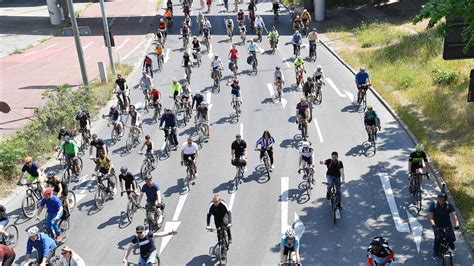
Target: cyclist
<point>289,246</point>
<point>83,122</point>
<point>440,214</point>
<point>70,149</point>
<point>121,90</point>
<point>273,36</point>
<point>169,16</point>
<point>305,18</point>
<point>159,52</point>
<point>252,49</point>
<point>104,169</point>
<point>162,29</point>
<point>146,82</point>
<point>259,24</point>
<point>241,17</point>
<point>297,23</point>
<point>296,40</point>
<point>200,19</point>
<point>170,121</point>
<point>185,31</point>
<point>216,66</point>
<point>275,6</point>
<point>115,118</point>
<point>146,242</point>
<point>306,158</point>
<point>266,142</point>
<point>33,173</point>
<point>335,176</point>
<point>60,188</point>
<point>371,122</point>
<point>153,197</point>
<point>63,132</point>
<point>149,146</point>
<point>7,255</point>
<point>222,215</point>
<point>206,30</point>
<point>186,62</point>
<point>147,65</point>
<point>233,56</point>
<point>169,5</point>
<point>136,120</point>
<point>155,96</point>
<point>70,258</point>
<point>299,68</point>
<point>186,96</point>
<point>238,151</point>
<point>44,245</point>
<point>313,39</point>
<point>98,144</point>
<point>229,23</point>
<point>197,99</point>
<point>126,177</point>
<point>417,162</point>
<point>54,209</point>
<point>251,17</point>
<point>302,114</point>
<point>202,114</point>
<point>175,88</point>
<point>235,92</point>
<point>196,44</point>
<point>308,89</point>
<point>278,76</point>
<point>318,75</point>
<point>362,81</point>
<point>190,152</point>
<point>379,252</point>
<point>242,30</point>
<point>3,219</point>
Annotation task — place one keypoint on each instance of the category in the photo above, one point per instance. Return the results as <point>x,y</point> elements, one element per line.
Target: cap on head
<point>140,228</point>
<point>124,169</point>
<point>370,107</point>
<point>47,192</point>
<point>443,195</point>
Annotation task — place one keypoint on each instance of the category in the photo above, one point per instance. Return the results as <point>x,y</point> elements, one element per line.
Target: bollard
<point>102,72</point>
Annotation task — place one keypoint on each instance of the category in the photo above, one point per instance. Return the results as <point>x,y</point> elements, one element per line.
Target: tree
<point>450,10</point>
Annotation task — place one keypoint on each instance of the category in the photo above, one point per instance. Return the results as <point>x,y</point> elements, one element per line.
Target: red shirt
<point>234,53</point>
<point>6,251</point>
<point>162,25</point>
<point>155,94</point>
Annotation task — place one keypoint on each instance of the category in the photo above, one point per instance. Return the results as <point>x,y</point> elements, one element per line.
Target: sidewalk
<point>54,62</point>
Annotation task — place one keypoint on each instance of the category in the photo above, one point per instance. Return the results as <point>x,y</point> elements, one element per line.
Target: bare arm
<point>455,219</point>
<point>431,218</point>
<point>343,176</point>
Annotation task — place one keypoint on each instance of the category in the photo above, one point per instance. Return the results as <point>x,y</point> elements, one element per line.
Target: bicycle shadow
<point>258,175</point>
<point>188,132</point>
<point>289,143</point>
<point>223,120</point>
<point>203,260</point>
<point>174,189</point>
<point>112,220</point>
<point>17,217</point>
<point>122,151</point>
<point>229,186</point>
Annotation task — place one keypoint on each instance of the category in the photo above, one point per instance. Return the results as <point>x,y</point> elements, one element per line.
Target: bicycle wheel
<point>114,136</point>
<point>131,210</point>
<point>67,177</point>
<point>64,227</point>
<point>144,169</point>
<point>303,132</point>
<point>319,96</point>
<point>309,179</point>
<point>99,198</point>
<point>267,166</point>
<point>71,197</point>
<point>28,206</point>
<point>364,101</point>
<point>418,198</point>
<point>11,237</point>
<point>334,208</point>
<point>80,166</point>
<point>129,143</point>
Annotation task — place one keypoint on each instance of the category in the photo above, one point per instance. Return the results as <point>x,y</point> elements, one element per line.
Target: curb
<point>439,179</point>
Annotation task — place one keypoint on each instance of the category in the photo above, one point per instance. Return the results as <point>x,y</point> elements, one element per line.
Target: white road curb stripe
<point>320,135</point>
<point>333,86</point>
<point>284,203</point>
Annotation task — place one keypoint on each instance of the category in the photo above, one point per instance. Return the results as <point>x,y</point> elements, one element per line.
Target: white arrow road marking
<point>179,208</point>
<point>210,53</point>
<point>350,95</point>
<point>416,230</point>
<point>320,135</point>
<point>167,55</point>
<point>166,239</point>
<point>284,203</point>
<point>286,62</point>
<point>232,198</point>
<point>272,93</point>
<point>399,224</point>
<point>124,42</point>
<point>208,99</point>
<point>298,226</point>
<point>333,86</point>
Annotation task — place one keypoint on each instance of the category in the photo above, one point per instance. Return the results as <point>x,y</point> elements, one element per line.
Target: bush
<point>377,33</point>
<point>443,76</point>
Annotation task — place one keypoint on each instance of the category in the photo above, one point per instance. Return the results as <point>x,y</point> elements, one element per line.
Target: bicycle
<point>216,76</point>
<point>149,164</point>
<point>297,50</point>
<point>299,77</point>
<point>372,136</point>
<point>279,85</point>
<point>230,34</point>
<point>10,238</point>
<point>178,105</point>
<point>187,71</point>
<point>132,204</point>
<point>303,128</point>
<point>168,142</point>
<point>259,34</point>
<point>236,106</point>
<point>70,173</point>
<point>146,94</point>
<point>117,131</point>
<point>85,139</point>
<point>318,97</point>
<point>151,218</point>
<point>64,227</point>
<point>334,202</point>
<point>185,42</point>
<point>308,173</point>
<point>444,250</point>
<point>242,35</point>
<point>254,61</point>
<point>201,130</point>
<point>30,200</point>
<point>312,51</point>
<point>222,243</point>
<point>240,173</point>
<point>266,162</point>
<point>198,56</point>
<point>133,137</point>
<point>190,174</point>
<point>157,262</point>
<point>157,112</point>
<point>362,99</point>
<point>205,41</point>
<point>103,191</point>
<point>187,113</point>
<point>289,261</point>
<point>273,44</point>
<point>160,62</point>
<point>415,189</point>
<point>233,66</point>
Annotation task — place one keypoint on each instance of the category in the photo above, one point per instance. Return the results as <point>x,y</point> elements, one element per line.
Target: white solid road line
<point>134,49</point>
<point>284,203</point>
<point>87,45</point>
<point>179,208</point>
<point>333,86</point>
<point>399,224</point>
<point>272,93</point>
<point>121,45</point>
<point>167,56</point>
<point>350,95</point>
<point>320,135</point>
<point>232,198</point>
<point>42,50</point>
<point>163,146</point>
<point>416,229</point>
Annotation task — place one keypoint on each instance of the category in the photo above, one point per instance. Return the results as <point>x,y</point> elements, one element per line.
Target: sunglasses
<point>140,232</point>
<point>64,253</point>
<point>443,200</point>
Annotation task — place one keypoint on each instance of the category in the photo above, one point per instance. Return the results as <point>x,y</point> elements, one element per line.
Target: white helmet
<point>33,231</point>
<point>306,144</point>
<point>174,80</point>
<point>319,67</point>
<point>290,233</point>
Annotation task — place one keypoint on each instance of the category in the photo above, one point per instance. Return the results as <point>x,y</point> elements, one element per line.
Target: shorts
<point>103,170</point>
<point>65,191</point>
<point>151,205</point>
<point>187,156</point>
<point>370,122</point>
<point>308,92</point>
<point>308,160</point>
<point>288,250</point>
<point>302,114</point>
<point>235,92</point>
<point>239,162</point>
<point>184,98</point>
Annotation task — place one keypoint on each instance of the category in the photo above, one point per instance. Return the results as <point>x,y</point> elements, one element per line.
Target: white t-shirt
<point>189,150</point>
<point>306,152</point>
<point>75,261</point>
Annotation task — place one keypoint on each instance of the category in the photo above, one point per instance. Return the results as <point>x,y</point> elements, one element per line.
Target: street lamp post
<point>77,39</point>
<point>107,36</point>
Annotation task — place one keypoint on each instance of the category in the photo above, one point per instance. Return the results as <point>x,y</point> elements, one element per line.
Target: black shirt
<point>198,98</point>
<point>55,186</point>
<point>333,168</point>
<point>121,83</point>
<point>128,178</point>
<point>196,45</point>
<point>186,60</point>
<point>82,120</point>
<point>441,215</point>
<point>417,160</point>
<point>98,144</point>
<point>239,148</point>
<point>66,133</point>
<point>147,244</point>
<point>219,212</point>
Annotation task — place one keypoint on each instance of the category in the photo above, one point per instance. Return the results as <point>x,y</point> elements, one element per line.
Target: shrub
<point>443,76</point>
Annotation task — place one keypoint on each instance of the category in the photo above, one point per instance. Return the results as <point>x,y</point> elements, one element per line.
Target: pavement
<point>375,198</point>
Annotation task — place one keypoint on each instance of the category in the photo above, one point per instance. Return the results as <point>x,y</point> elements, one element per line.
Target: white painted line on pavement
<point>166,239</point>
<point>179,208</point>
<point>416,229</point>
<point>121,46</point>
<point>232,198</point>
<point>112,21</point>
<point>270,90</point>
<point>134,49</point>
<point>350,95</point>
<point>286,62</point>
<point>284,203</point>
<point>210,53</point>
<point>15,66</point>
<point>141,19</point>
<point>87,45</point>
<point>320,135</point>
<point>167,56</point>
<point>208,97</point>
<point>331,83</point>
<point>87,58</point>
<point>242,130</point>
<point>163,146</point>
<point>399,224</point>
<point>42,50</point>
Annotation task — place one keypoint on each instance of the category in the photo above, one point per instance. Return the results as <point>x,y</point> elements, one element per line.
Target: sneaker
<point>273,166</point>
<point>328,196</point>
<point>339,206</point>
<point>114,191</point>
<point>58,238</point>
<point>230,241</point>
<point>160,219</point>
<point>299,171</point>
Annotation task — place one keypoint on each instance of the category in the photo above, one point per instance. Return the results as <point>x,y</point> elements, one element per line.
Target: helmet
<point>185,53</point>
<point>174,80</point>
<point>2,208</point>
<point>309,79</point>
<point>297,32</point>
<point>306,144</point>
<point>161,19</point>
<point>195,37</point>
<point>319,67</point>
<point>50,174</point>
<point>290,233</point>
<point>298,16</point>
<point>78,112</point>
<point>131,105</point>
<point>124,169</point>
<point>370,107</point>
<point>62,130</point>
<point>33,231</point>
<point>94,136</point>
<point>216,56</point>
<point>376,241</point>
<point>113,107</point>
<point>303,99</point>
<point>203,103</point>
<point>299,58</point>
<point>443,195</point>
<point>277,67</point>
<point>362,69</point>
<point>236,81</point>
<point>419,148</point>
<point>47,191</point>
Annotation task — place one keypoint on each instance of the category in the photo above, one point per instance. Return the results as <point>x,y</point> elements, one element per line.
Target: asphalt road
<point>375,197</point>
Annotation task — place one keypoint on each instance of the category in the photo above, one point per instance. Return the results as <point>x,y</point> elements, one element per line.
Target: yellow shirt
<point>159,50</point>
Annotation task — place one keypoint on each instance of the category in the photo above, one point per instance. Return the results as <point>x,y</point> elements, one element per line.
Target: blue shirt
<point>53,204</point>
<point>169,120</point>
<point>296,38</point>
<point>32,170</point>
<point>361,78</point>
<point>295,244</point>
<point>44,245</point>
<point>150,191</point>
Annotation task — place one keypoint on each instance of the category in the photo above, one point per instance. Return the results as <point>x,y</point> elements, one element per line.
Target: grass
<point>428,93</point>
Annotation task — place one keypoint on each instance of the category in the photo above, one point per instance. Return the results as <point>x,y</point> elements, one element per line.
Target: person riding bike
<point>62,133</point>
<point>185,31</point>
<point>417,162</point>
<point>7,255</point>
<point>98,144</point>
<point>371,122</point>
<point>278,76</point>
<point>234,56</point>
<point>299,67</point>
<point>148,65</point>
<point>313,39</point>
<point>259,23</point>
<point>318,75</point>
<point>240,16</point>
<point>126,177</point>
<point>200,19</point>
<point>308,88</point>
<point>251,17</point>
<point>379,252</point>
<point>229,23</point>
<point>216,66</point>
<point>148,143</point>
<point>104,169</point>
<point>83,121</point>
<point>197,99</point>
<point>289,246</point>
<point>60,188</point>
<point>297,23</point>
<point>162,27</point>
<point>306,158</point>
<point>273,36</point>
<point>45,246</point>
<point>54,208</point>
<point>222,215</point>
<point>252,48</point>
<point>305,17</point>
<point>146,82</point>
<point>206,29</point>
<point>302,114</point>
<point>296,40</point>
<point>275,6</point>
<point>235,91</point>
<point>115,119</point>
<point>33,173</point>
<point>196,45</point>
<point>202,114</point>
<point>175,88</point>
<point>190,150</point>
<point>170,121</point>
<point>362,81</point>
<point>155,96</point>
<point>169,15</point>
<point>70,149</point>
<point>153,197</point>
<point>187,64</point>
<point>266,142</point>
<point>136,121</point>
<point>440,214</point>
<point>186,96</point>
<point>238,152</point>
<point>335,176</point>
<point>121,90</point>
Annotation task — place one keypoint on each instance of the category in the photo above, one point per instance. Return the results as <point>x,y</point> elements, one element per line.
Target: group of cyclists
<point>55,191</point>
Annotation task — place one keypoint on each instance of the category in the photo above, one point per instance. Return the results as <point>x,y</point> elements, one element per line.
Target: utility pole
<point>107,36</point>
<point>77,39</point>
